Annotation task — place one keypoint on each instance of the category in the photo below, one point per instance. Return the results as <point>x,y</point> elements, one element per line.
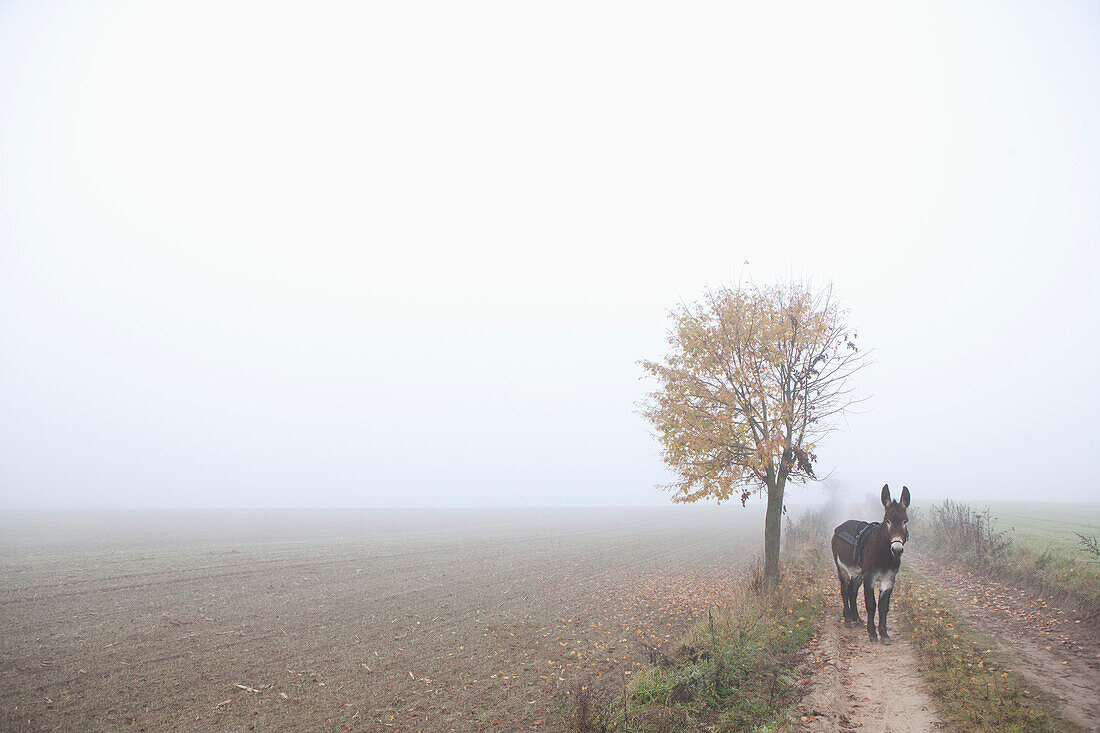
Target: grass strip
<point>972,684</point>
<point>957,532</point>
<point>734,670</point>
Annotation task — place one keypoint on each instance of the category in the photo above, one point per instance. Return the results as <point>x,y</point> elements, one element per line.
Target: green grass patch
<point>973,686</point>
<point>1043,526</point>
<point>734,670</point>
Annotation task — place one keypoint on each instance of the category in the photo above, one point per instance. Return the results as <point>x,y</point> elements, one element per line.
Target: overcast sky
<point>408,254</point>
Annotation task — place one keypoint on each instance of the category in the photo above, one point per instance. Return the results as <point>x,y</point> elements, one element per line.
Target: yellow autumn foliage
<point>753,378</point>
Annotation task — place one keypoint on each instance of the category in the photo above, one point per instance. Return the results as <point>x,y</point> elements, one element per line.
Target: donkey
<point>868,552</point>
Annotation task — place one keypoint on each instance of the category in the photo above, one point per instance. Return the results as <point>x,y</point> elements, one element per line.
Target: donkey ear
<point>905,496</point>
<point>886,495</point>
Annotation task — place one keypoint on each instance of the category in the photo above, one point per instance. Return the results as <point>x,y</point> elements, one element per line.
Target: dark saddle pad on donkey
<point>856,534</point>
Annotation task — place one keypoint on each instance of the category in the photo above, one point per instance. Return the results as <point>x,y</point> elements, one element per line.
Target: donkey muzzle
<point>897,547</point>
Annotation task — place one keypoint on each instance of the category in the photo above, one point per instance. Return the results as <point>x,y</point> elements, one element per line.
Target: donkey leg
<point>883,608</point>
<point>844,597</point>
<point>853,601</point>
<point>869,600</point>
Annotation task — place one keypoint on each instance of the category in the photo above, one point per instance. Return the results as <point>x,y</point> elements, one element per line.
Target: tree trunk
<point>772,526</point>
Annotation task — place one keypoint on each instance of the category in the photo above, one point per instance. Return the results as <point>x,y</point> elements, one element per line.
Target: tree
<point>754,378</point>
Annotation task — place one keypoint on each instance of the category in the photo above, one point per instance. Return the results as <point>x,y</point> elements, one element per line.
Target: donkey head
<point>896,520</point>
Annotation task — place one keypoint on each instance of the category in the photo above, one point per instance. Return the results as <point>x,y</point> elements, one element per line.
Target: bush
<point>589,709</point>
<point>812,528</point>
<point>1088,546</point>
<point>961,531</point>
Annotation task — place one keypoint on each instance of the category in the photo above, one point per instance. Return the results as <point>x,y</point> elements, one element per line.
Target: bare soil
<point>860,685</point>
<point>367,621</point>
<point>1052,645</point>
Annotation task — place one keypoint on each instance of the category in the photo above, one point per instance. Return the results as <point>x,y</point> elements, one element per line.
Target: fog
<point>409,254</point>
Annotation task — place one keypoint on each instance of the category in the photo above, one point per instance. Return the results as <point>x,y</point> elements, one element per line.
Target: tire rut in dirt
<point>1052,646</point>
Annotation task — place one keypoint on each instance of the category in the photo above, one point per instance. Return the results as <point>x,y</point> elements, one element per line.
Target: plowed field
<point>361,620</point>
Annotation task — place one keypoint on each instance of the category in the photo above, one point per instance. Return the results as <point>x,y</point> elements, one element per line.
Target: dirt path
<point>858,685</point>
<point>1056,650</point>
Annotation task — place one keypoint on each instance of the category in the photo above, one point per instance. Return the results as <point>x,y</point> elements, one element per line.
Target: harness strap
<point>861,539</point>
<point>856,534</point>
